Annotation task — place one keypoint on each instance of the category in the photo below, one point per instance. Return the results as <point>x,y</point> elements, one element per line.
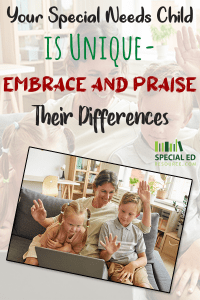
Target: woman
<point>101,208</point>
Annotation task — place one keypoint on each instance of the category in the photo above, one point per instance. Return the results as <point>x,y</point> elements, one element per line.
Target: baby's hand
<point>53,245</point>
<point>38,211</point>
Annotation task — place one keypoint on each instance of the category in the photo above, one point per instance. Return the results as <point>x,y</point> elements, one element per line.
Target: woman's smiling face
<point>104,194</point>
<point>93,69</point>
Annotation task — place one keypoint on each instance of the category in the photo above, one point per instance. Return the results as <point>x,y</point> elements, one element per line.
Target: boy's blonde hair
<point>169,71</point>
<point>132,198</point>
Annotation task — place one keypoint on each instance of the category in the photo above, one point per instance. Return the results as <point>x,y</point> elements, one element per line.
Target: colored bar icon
<point>180,146</point>
<point>156,146</point>
<point>166,146</point>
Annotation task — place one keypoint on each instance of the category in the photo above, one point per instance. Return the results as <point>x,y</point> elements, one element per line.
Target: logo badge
<point>168,147</point>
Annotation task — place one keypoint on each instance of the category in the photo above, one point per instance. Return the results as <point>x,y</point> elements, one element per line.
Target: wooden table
<point>8,69</point>
<point>66,187</point>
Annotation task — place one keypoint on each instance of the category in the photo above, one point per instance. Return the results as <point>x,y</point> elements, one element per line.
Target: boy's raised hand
<point>188,56</point>
<point>187,52</point>
<point>111,246</point>
<point>144,192</point>
<point>38,211</point>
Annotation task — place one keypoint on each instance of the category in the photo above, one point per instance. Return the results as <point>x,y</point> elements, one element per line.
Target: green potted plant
<point>181,211</point>
<point>153,186</point>
<point>161,192</point>
<point>161,36</point>
<point>133,182</point>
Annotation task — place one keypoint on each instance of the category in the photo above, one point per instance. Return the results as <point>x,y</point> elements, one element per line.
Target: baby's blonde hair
<point>77,208</point>
<point>132,198</point>
<point>169,71</point>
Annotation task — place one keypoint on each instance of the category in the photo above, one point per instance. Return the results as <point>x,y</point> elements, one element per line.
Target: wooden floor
<point>169,263</point>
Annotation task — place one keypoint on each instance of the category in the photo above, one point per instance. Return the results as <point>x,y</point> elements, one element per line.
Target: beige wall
<point>111,167</point>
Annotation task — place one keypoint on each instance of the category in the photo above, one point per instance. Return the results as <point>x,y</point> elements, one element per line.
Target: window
<point>139,174</point>
<point>176,187</point>
<point>155,177</point>
<point>179,188</point>
<point>125,173</point>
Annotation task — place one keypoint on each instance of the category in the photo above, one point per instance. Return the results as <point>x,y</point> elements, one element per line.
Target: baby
<point>66,235</point>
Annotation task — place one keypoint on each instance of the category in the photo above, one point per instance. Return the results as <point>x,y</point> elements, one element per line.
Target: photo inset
<point>99,219</point>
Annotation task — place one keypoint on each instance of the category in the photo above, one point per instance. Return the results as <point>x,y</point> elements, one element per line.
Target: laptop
<point>71,263</point>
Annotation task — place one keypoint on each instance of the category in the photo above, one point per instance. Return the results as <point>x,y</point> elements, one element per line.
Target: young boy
<point>141,153</point>
<point>127,259</point>
<point>178,106</point>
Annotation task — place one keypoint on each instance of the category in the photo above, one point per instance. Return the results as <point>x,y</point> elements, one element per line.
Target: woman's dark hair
<point>106,176</point>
